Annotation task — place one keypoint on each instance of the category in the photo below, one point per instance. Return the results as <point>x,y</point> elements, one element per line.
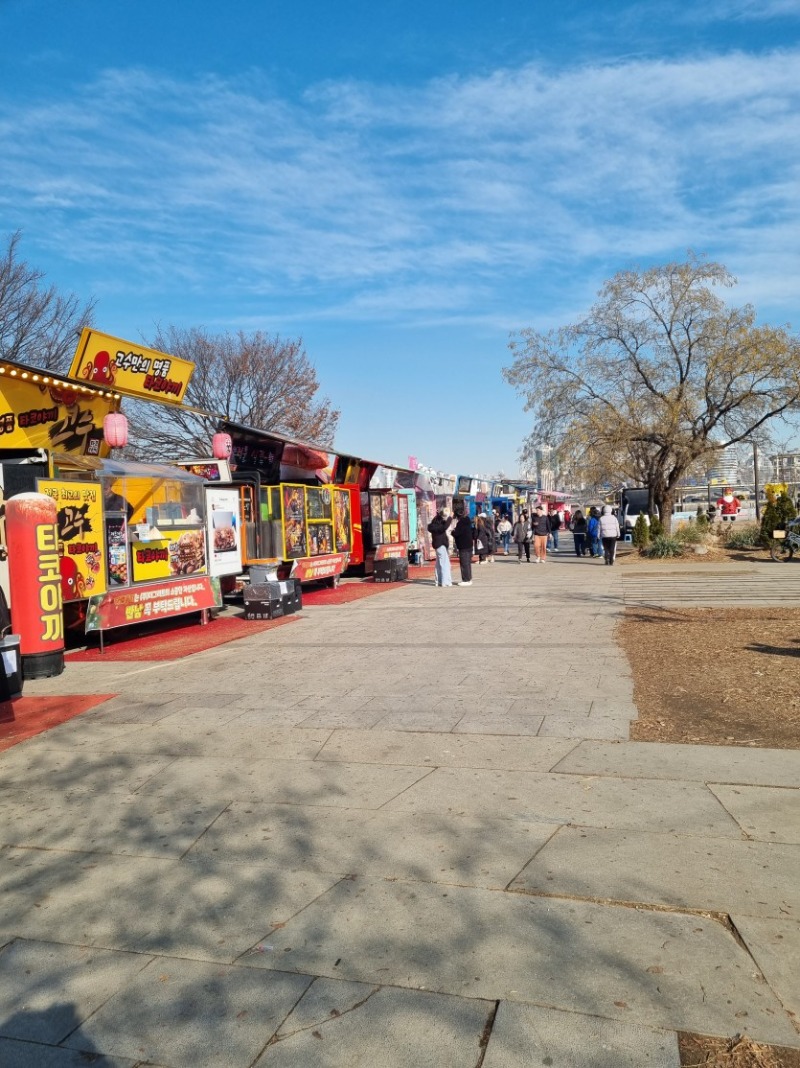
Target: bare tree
<point>260,381</point>
<point>658,376</point>
<point>38,325</point>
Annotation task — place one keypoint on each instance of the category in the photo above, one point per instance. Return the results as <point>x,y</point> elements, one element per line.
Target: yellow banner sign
<point>130,369</point>
<point>39,413</point>
<point>177,552</point>
<point>81,544</point>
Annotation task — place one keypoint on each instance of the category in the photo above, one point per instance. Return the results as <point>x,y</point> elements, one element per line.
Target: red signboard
<point>394,551</point>
<point>319,567</point>
<point>156,600</point>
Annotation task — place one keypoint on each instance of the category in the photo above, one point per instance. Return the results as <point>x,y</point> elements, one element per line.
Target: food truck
<point>305,511</point>
<point>132,542</point>
<point>289,519</point>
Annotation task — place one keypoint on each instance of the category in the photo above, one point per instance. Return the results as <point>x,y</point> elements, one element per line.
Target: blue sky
<point>401,184</point>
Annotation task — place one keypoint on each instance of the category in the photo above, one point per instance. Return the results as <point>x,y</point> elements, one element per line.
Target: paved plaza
<point>405,832</point>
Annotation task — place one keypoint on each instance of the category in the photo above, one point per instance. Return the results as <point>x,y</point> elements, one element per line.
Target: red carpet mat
<point>181,639</point>
<point>25,717</point>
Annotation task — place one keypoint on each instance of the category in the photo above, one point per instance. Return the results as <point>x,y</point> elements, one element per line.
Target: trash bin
<point>10,667</point>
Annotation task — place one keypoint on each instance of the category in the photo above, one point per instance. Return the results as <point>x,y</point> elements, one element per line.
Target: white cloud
<point>455,199</point>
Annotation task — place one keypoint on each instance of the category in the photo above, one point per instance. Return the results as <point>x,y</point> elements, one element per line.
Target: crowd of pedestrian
<point>595,534</point>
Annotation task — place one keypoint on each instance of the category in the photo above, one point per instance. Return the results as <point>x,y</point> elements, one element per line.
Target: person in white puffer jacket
<point>609,533</point>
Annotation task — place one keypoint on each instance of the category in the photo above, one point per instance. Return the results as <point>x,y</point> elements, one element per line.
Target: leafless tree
<point>659,376</point>
<point>260,381</point>
<point>39,325</point>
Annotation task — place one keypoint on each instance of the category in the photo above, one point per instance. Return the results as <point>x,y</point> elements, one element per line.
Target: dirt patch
<point>737,1052</point>
<point>716,554</point>
<point>715,676</point>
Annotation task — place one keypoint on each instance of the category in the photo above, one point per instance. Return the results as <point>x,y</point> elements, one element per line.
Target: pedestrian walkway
<point>409,830</point>
<point>760,583</point>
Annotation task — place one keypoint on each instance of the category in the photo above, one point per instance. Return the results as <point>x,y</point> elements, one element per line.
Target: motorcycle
<point>784,542</point>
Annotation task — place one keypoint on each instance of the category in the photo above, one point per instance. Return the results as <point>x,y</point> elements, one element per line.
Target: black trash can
<point>10,667</point>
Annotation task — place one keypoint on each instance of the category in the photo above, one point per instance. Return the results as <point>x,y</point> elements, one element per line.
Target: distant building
<point>545,473</point>
<point>785,467</point>
<point>725,468</point>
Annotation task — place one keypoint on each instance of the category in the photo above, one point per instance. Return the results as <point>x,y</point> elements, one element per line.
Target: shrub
<point>691,533</point>
<point>702,519</point>
<point>641,532</point>
<point>777,513</point>
<point>664,546</point>
<point>656,527</point>
<point>742,536</point>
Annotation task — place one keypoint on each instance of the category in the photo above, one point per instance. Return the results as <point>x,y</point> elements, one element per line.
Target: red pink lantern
<point>115,430</point>
<point>222,446</point>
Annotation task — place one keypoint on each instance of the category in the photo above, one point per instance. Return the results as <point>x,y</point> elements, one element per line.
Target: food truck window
<point>160,502</point>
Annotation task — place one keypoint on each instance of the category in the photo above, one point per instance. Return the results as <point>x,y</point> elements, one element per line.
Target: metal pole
<point>755,480</point>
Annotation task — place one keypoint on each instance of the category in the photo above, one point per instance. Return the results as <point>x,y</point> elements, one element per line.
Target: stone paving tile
<point>775,945</point>
<point>444,750</point>
<point>233,743</point>
<point>487,723</point>
<point>291,782</point>
<point>338,1023</point>
<point>14,1054</point>
<point>62,771</point>
<point>526,1035</point>
<point>129,824</point>
<point>46,989</point>
<point>156,1016</point>
<point>429,847</point>
<point>586,727</point>
<point>434,720</point>
<point>769,813</point>
<point>634,804</point>
<point>200,908</point>
<point>667,869</point>
<point>336,717</point>
<point>655,969</point>
<point>701,763</point>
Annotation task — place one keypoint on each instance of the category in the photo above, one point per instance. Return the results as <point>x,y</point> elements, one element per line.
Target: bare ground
<point>738,683</point>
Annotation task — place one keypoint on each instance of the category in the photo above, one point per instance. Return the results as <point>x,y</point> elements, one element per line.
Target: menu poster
<point>224,534</point>
<point>117,550</point>
<point>342,521</point>
<point>318,503</point>
<point>79,508</point>
<point>294,521</point>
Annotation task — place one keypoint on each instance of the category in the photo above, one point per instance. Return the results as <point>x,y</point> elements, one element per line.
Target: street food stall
<point>289,518</point>
<point>132,542</point>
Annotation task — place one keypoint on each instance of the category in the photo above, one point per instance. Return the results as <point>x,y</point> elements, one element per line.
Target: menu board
<point>117,550</point>
<point>342,526</point>
<point>224,535</point>
<point>79,519</point>
<point>294,521</point>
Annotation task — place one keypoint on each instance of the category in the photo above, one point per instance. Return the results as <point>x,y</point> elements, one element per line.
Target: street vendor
<point>728,505</point>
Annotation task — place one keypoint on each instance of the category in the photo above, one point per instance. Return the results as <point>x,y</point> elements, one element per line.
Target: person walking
<point>438,528</point>
<point>555,526</point>
<point>579,532</point>
<point>593,533</point>
<point>504,529</point>
<point>541,529</point>
<point>481,538</point>
<point>609,533</point>
<point>521,536</point>
<point>491,538</point>
<point>464,537</point>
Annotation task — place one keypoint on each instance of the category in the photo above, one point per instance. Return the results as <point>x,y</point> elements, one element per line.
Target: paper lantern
<point>221,446</point>
<point>115,430</point>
